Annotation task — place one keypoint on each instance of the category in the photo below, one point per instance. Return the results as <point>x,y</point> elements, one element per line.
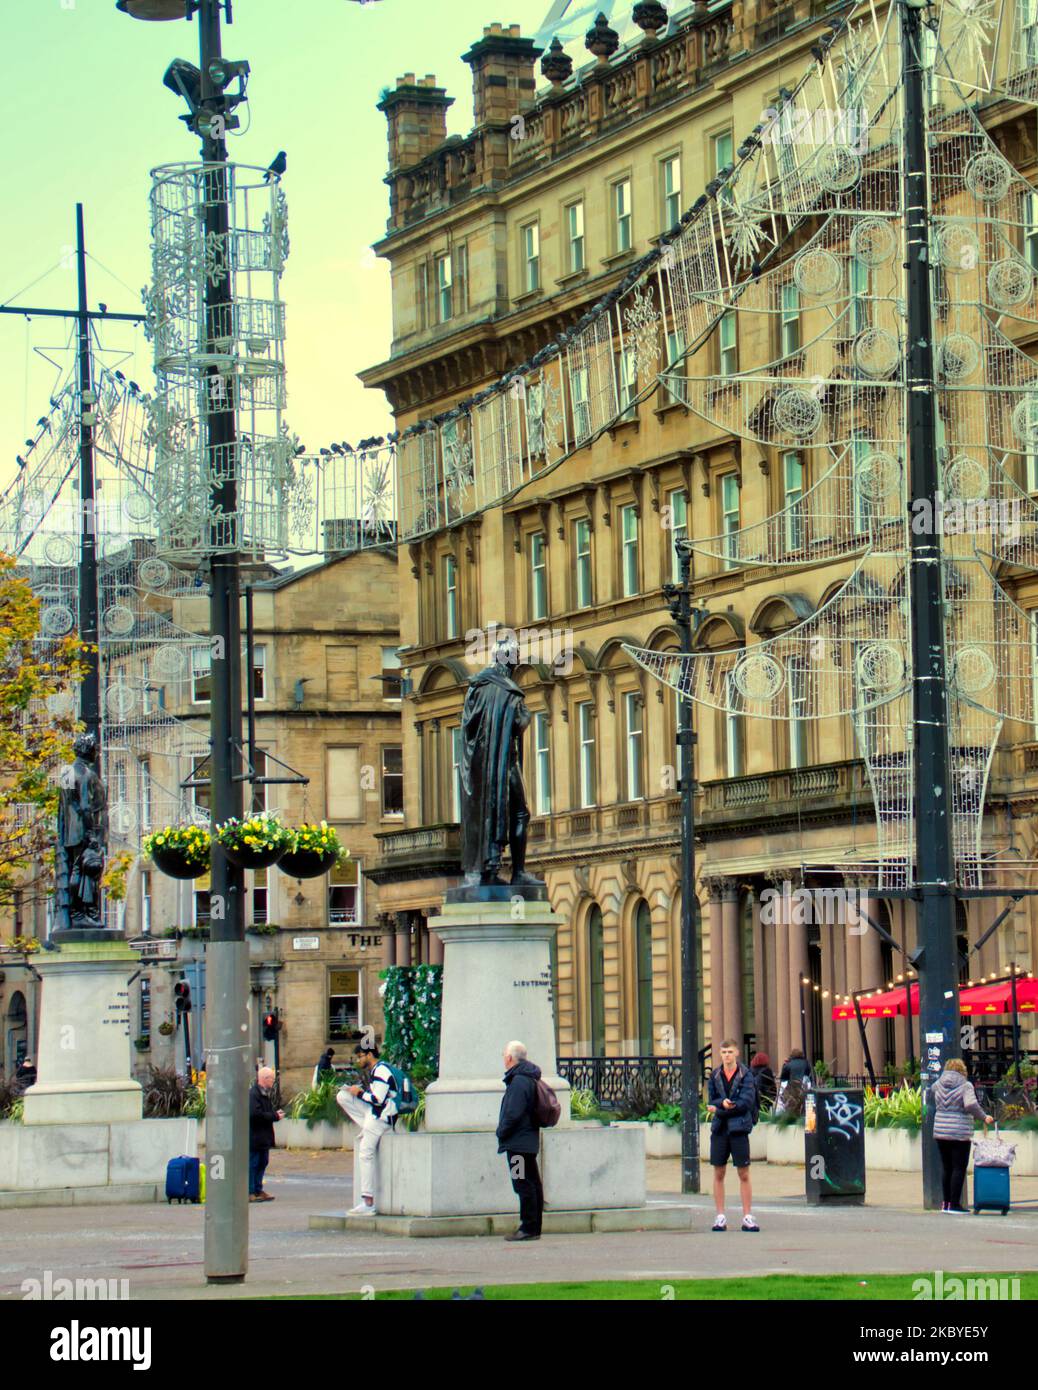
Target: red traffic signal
<point>182,996</point>
<point>271,1024</point>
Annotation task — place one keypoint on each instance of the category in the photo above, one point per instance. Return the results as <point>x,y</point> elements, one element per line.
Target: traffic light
<point>271,1024</point>
<point>182,996</point>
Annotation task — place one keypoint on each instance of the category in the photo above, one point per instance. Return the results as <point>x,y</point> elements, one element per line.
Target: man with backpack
<point>733,1102</point>
<point>374,1108</point>
<point>527,1106</point>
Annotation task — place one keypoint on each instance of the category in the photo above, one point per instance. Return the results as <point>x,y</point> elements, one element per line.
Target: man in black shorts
<point>732,1106</point>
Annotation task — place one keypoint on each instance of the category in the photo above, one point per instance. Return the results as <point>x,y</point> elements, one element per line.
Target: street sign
<point>306,943</point>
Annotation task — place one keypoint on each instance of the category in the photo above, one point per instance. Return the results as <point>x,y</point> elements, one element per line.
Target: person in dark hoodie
<point>518,1138</point>
<point>956,1104</point>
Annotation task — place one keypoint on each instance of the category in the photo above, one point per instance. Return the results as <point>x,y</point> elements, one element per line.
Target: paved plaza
<point>158,1248</point>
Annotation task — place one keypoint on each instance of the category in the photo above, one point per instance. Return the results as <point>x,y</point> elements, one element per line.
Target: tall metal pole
<point>90,690</point>
<point>227,961</point>
<point>680,596</point>
<point>935,865</point>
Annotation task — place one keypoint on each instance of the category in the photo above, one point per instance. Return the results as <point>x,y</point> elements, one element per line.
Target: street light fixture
<point>156,9</point>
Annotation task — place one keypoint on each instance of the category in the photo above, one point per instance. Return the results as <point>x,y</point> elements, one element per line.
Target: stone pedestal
<point>496,989</point>
<point>83,1062</point>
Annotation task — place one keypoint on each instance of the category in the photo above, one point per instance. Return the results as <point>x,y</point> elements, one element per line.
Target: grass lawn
<point>804,1287</point>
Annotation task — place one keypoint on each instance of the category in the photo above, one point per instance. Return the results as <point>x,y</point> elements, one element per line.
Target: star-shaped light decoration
<point>745,221</point>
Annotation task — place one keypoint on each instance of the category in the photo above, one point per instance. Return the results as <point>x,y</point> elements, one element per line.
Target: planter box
<point>784,1143</point>
<point>296,1134</point>
<point>893,1151</point>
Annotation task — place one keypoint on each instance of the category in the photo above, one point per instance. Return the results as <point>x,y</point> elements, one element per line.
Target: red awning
<point>998,998</point>
<point>974,999</point>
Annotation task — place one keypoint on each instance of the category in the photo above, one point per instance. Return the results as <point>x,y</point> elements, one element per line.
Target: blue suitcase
<point>182,1179</point>
<point>991,1189</point>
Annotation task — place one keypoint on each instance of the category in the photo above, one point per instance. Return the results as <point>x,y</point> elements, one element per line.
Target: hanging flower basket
<point>256,843</point>
<point>179,851</point>
<point>317,849</point>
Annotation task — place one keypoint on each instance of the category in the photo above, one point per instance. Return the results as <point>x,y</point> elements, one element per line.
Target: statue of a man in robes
<point>82,836</point>
<point>494,809</point>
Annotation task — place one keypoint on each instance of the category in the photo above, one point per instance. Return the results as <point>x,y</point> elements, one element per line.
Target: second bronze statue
<point>494,809</point>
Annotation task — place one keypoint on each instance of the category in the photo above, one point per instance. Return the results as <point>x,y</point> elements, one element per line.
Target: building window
<point>455,738</point>
<point>670,174</point>
<point>586,728</point>
<point>260,898</point>
<point>343,1005</point>
<point>596,980</point>
<point>584,593</point>
<point>392,686</point>
<point>450,591</point>
<point>1031,471</point>
<point>792,499</point>
<point>538,575</point>
<point>790,319</point>
<point>144,776</point>
<point>201,675</point>
<point>531,238</point>
<point>677,504</point>
<point>622,240</point>
<point>542,764</point>
<point>643,953</point>
<point>145,1004</point>
<point>730,517</point>
<point>798,715</point>
<point>732,730</point>
<point>202,908</point>
<point>728,345</point>
<point>581,405</point>
<point>627,372</point>
<point>344,902</point>
<point>258,798</point>
<point>392,780</point>
<point>444,289</point>
<point>1031,225</point>
<point>202,796</point>
<point>676,365</point>
<point>259,671</point>
<point>146,904</point>
<point>629,545</point>
<point>859,292</point>
<point>633,730</point>
<point>863,505</point>
<point>723,148</point>
<point>575,237</point>
<point>1028,53</point>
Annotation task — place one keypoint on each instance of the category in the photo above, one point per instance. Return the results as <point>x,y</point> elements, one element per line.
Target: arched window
<point>643,954</point>
<point>596,980</point>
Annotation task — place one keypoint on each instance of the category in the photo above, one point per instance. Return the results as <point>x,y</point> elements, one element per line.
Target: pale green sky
<point>87,118</point>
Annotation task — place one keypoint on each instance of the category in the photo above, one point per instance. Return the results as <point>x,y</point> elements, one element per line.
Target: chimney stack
<point>503,81</point>
<point>417,117</point>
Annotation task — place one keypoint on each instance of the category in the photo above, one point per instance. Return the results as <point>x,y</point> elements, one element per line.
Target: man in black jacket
<point>732,1107</point>
<point>519,1139</point>
<point>262,1118</point>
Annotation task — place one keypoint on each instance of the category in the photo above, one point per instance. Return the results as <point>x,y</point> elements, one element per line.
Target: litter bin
<point>834,1147</point>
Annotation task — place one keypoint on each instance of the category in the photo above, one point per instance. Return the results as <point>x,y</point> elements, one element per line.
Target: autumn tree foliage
<point>36,730</point>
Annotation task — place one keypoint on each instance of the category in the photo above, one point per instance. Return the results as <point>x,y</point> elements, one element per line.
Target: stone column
<point>403,938</point>
<point>388,947</point>
<point>780,976</point>
<point>872,974</point>
<point>732,1013</point>
<point>798,920</point>
<point>763,944</point>
<point>714,917</point>
<point>435,941</point>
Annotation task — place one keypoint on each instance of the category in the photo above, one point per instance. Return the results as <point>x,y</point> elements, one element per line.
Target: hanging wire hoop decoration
<point>881,667</point>
<point>1010,282</point>
<point>154,573</point>
<point>973,670</point>
<point>797,412</point>
<point>61,705</point>
<point>966,479</point>
<point>60,552</point>
<point>958,247</point>
<point>958,356</point>
<point>988,177</point>
<point>119,620</point>
<point>876,352</point>
<point>878,475</point>
<point>57,620</point>
<point>873,241</point>
<point>817,273</point>
<point>1025,420</point>
<point>759,678</point>
<point>839,169</point>
<point>122,820</point>
<point>170,661</point>
<point>120,700</point>
<point>138,507</point>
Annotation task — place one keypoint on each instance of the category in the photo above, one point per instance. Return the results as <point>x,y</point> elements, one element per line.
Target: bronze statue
<point>494,809</point>
<point>82,836</point>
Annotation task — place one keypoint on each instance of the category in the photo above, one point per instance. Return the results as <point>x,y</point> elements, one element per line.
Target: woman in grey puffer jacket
<point>956,1104</point>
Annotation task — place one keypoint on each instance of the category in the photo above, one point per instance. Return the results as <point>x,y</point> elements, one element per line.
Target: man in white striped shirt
<point>373,1108</point>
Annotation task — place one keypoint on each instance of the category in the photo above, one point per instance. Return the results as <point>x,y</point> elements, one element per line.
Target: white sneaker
<point>364,1209</point>
<point>721,1224</point>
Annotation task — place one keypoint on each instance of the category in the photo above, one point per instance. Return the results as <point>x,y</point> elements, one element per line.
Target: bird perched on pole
<point>277,165</point>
